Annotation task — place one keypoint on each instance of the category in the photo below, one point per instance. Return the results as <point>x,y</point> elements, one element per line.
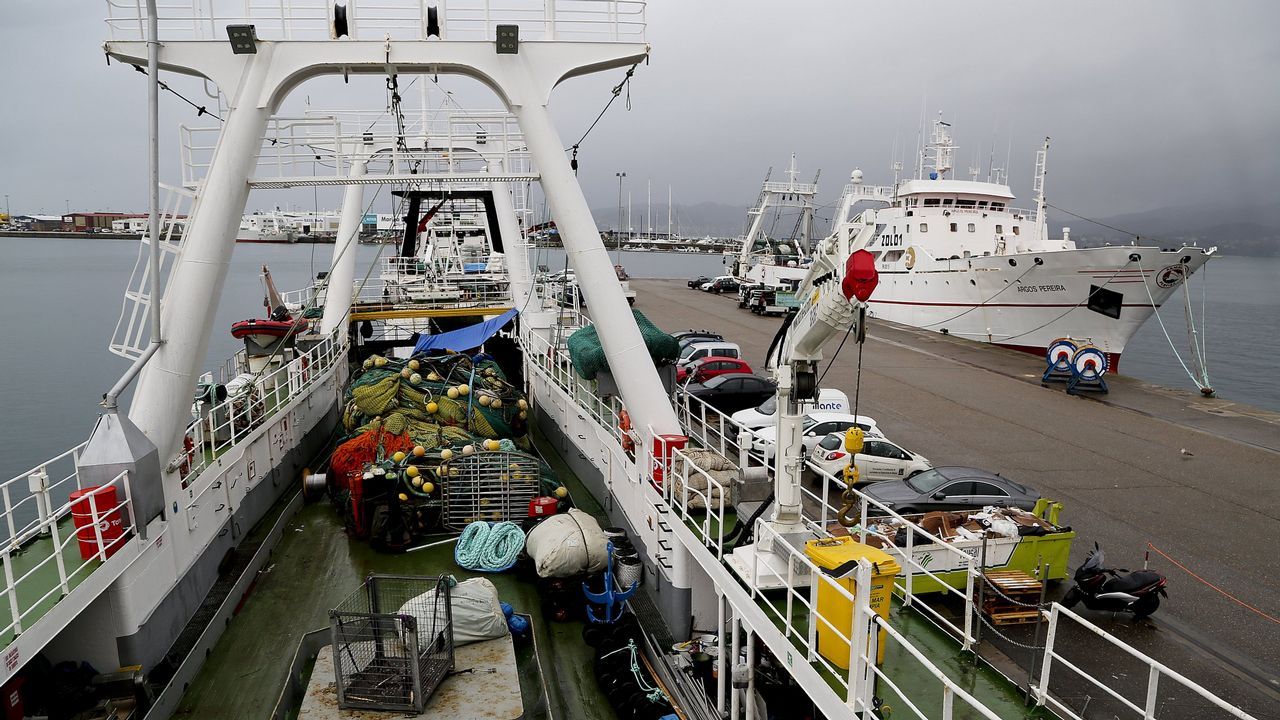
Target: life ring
<point>910,258</point>
<point>624,430</point>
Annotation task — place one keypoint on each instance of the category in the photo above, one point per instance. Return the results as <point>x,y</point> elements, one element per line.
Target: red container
<point>662,447</point>
<point>99,507</point>
<point>543,506</point>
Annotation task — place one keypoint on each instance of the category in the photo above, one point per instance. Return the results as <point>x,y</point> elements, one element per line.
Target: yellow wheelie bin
<point>838,558</point>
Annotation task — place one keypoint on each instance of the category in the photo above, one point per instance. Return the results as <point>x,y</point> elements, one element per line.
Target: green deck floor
<point>315,566</point>
<point>923,689</point>
<point>31,590</point>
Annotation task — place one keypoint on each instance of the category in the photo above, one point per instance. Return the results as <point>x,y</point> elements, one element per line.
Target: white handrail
<point>20,611</point>
<point>399,20</point>
<point>1155,670</point>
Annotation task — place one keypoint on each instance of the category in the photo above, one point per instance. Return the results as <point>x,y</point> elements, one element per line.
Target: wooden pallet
<point>1020,616</point>
<point>1016,585</point>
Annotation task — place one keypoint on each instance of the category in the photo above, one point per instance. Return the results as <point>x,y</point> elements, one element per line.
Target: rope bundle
<point>489,548</point>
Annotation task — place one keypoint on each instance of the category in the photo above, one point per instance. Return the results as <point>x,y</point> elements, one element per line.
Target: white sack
<point>477,612</point>
<point>568,544</point>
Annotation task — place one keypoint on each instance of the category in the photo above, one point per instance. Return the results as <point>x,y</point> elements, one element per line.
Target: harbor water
<point>60,300</point>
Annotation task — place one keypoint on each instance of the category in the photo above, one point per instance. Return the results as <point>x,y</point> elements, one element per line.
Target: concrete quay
<point>1198,478</point>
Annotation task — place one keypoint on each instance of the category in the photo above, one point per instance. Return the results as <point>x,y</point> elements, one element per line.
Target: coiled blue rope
<point>489,548</point>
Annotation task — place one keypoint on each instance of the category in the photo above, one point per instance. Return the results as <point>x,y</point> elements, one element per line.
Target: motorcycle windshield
<point>1093,563</point>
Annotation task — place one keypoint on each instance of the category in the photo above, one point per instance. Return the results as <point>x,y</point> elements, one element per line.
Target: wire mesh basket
<point>392,642</point>
<point>492,486</point>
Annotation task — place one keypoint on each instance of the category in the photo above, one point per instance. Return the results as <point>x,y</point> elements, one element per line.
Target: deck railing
<point>400,20</point>
<point>1151,706</point>
<point>903,584</point>
<point>224,424</point>
<point>30,592</point>
<point>438,143</point>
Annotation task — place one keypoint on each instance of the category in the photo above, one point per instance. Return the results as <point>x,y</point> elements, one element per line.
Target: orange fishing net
<point>350,458</point>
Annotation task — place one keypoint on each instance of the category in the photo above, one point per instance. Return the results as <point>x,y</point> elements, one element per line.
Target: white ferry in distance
<point>956,257</point>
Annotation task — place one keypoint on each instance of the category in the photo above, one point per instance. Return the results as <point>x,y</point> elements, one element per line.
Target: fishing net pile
<point>440,401</point>
<point>433,441</point>
<point>587,354</point>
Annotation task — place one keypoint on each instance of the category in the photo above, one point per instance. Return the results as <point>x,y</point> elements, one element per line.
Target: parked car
<point>814,427</point>
<point>721,284</point>
<point>829,400</point>
<point>952,488</point>
<point>733,392</point>
<point>879,460</point>
<point>688,337</point>
<point>703,369</point>
<point>697,350</point>
<point>698,282</point>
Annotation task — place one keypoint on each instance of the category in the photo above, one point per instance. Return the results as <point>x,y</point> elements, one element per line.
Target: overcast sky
<point>1149,104</point>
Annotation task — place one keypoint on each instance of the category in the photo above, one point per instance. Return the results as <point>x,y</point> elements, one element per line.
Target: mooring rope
<point>489,548</point>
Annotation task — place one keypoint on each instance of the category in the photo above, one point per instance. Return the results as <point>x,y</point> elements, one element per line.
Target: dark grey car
<point>952,488</point>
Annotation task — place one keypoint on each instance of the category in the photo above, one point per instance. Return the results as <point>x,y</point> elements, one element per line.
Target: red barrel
<point>662,447</point>
<point>108,516</point>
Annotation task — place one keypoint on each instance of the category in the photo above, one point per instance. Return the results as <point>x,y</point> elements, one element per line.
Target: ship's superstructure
<point>957,257</point>
<point>764,258</point>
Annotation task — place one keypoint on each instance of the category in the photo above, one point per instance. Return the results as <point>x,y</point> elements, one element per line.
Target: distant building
<point>94,222</point>
<point>38,223</point>
<point>137,225</point>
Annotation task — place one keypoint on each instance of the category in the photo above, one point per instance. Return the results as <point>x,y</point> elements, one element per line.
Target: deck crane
<point>833,296</point>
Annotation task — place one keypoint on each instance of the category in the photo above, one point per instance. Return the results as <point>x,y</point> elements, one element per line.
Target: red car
<point>703,369</point>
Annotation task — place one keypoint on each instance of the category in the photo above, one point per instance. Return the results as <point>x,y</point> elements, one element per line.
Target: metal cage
<point>392,642</point>
<point>492,486</point>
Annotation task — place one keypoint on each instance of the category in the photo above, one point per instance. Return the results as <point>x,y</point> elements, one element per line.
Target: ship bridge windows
<point>997,206</point>
<point>932,202</point>
<point>969,204</point>
<point>948,202</point>
<point>982,204</point>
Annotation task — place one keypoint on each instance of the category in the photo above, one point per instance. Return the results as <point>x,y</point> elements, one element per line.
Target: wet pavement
<point>1197,478</point>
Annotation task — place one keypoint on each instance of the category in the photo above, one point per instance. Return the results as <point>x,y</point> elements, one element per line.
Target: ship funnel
<point>116,445</point>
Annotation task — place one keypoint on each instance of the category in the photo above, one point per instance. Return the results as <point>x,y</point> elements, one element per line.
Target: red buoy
<point>97,504</point>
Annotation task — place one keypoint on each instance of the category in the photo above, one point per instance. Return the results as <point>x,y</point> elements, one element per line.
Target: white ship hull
<point>1012,301</point>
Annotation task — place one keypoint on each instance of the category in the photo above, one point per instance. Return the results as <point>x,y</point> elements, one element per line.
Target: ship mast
<point>1042,157</point>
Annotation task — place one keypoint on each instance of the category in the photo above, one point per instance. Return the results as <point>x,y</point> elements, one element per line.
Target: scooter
<point>1115,590</point>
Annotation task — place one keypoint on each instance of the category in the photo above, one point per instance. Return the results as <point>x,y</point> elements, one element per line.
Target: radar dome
<point>856,175</point>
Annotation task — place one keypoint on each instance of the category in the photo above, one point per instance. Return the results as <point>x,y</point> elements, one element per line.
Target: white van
<point>829,400</point>
<point>698,350</point>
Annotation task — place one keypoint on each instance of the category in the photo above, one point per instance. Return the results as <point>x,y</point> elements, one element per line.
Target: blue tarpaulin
<point>465,338</point>
<point>475,267</point>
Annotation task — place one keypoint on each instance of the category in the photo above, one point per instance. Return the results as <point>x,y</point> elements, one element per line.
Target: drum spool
<point>314,485</point>
<point>628,570</point>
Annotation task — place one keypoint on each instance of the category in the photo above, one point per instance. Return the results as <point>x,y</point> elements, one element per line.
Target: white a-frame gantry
<point>287,47</point>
